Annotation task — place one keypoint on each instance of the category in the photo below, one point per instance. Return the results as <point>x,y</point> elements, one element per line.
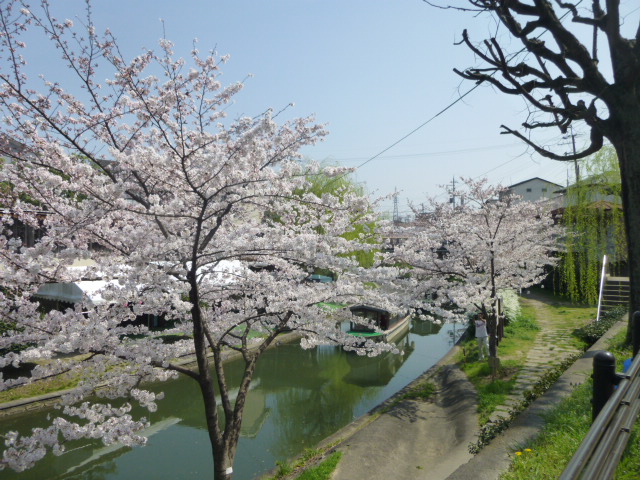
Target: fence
<point>616,404</point>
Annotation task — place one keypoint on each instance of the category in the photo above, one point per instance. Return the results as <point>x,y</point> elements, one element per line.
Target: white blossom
<point>174,213</point>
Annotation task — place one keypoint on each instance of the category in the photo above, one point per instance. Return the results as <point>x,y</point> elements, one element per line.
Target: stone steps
<point>615,293</point>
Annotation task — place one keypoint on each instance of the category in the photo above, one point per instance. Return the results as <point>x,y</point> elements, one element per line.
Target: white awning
<point>73,292</point>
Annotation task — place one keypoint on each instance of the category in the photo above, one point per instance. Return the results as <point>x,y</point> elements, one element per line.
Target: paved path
<point>552,345</point>
<point>416,439</point>
<point>496,458</point>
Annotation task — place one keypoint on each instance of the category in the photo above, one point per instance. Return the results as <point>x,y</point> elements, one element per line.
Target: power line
<point>478,83</point>
<point>429,154</point>
<point>420,126</point>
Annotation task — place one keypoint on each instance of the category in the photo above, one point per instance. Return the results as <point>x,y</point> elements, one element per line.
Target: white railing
<point>603,275</point>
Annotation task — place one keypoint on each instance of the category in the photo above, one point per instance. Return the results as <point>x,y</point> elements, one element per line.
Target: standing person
<point>482,336</point>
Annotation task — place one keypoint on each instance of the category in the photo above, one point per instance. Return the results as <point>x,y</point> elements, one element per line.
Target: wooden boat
<point>391,327</point>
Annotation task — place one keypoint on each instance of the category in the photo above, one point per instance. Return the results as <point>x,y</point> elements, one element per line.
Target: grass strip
<point>324,470</point>
<point>565,427</point>
<point>519,338</point>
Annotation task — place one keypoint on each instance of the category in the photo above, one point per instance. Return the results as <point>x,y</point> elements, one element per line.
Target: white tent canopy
<point>73,292</point>
<point>223,273</point>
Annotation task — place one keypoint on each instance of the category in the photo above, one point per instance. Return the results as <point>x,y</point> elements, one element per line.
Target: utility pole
<point>451,190</point>
<point>575,160</point>
<point>396,209</point>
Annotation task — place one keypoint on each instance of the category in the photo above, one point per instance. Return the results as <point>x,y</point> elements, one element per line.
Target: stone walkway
<point>552,345</point>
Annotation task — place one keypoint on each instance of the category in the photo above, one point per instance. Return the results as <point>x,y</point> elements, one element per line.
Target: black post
<point>604,379</point>
<point>635,332</point>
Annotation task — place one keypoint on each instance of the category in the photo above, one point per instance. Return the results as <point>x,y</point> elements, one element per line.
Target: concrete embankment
<point>416,440</point>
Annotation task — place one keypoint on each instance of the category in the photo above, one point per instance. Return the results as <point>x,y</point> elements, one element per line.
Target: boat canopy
<point>379,316</point>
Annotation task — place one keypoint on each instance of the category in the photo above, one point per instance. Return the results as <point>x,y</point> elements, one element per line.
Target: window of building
<point>528,190</point>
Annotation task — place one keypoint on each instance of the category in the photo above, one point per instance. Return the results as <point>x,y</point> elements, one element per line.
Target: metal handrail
<point>602,281</point>
<point>601,450</point>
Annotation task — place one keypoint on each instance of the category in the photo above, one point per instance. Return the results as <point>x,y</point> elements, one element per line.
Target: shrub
<point>511,303</point>
<point>591,332</point>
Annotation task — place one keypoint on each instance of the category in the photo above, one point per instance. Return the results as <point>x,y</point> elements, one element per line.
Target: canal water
<point>298,398</point>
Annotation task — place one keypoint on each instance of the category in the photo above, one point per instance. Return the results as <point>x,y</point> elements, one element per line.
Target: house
<point>535,189</point>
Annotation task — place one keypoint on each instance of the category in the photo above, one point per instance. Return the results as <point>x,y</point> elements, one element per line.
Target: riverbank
<point>496,458</point>
<point>402,426</point>
<point>299,397</point>
<point>36,403</point>
<point>403,444</point>
<point>392,440</point>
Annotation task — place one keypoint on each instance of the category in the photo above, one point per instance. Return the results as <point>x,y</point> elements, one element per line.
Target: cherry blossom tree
<point>461,256</point>
<point>175,211</point>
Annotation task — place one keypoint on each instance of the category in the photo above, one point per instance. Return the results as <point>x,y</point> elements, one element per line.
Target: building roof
<point>535,178</point>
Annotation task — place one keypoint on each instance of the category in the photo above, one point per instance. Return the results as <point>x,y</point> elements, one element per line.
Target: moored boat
<point>388,327</point>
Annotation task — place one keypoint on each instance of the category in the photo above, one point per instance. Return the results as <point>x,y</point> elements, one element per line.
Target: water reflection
<point>298,398</point>
<point>378,371</point>
<point>424,328</point>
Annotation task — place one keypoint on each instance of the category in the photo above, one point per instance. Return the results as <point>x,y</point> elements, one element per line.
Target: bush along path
<point>553,345</point>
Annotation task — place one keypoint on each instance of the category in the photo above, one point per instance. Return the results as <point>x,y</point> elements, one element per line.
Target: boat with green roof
<point>383,327</point>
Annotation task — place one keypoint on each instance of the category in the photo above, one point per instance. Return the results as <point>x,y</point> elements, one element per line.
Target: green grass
<point>518,340</point>
<point>548,455</point>
<point>491,395</point>
<point>321,471</point>
<point>520,337</point>
<point>41,387</point>
<point>239,330</point>
<point>423,391</point>
<point>324,470</point>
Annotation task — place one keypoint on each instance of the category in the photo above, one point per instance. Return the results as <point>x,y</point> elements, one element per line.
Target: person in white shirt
<point>482,336</point>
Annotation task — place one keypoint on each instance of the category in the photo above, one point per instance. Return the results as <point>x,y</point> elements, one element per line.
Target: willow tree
<point>594,223</point>
<point>574,63</point>
<point>343,186</point>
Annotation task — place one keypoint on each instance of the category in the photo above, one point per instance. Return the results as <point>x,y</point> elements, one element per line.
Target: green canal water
<point>298,398</point>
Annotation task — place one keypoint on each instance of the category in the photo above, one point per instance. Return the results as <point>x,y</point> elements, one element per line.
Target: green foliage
<point>491,395</point>
<point>565,427</point>
<point>423,391</point>
<point>524,322</point>
<point>591,332</point>
<point>594,224</point>
<point>284,469</point>
<point>629,466</point>
<point>321,184</point>
<point>43,387</point>
<point>549,454</point>
<point>322,471</point>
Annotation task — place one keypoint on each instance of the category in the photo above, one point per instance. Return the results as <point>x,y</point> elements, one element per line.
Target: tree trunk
<point>492,330</point>
<point>223,463</point>
<point>626,140</point>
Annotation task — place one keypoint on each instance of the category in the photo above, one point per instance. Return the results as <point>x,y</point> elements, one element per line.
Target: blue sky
<point>371,70</point>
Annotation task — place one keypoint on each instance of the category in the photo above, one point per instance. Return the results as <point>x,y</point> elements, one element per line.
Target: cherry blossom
<point>142,184</point>
<point>461,256</point>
